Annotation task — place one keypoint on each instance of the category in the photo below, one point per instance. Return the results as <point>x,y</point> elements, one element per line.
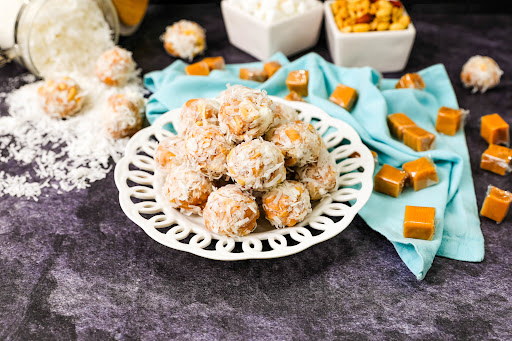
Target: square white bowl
<point>385,51</point>
<point>262,40</point>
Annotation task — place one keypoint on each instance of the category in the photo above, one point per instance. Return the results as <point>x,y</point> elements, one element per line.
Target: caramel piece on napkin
<point>421,173</point>
<point>496,204</point>
<point>344,96</point>
<point>419,222</point>
<point>410,81</point>
<point>198,69</point>
<point>215,63</point>
<point>390,180</point>
<point>418,139</point>
<point>397,124</point>
<point>449,120</point>
<point>497,159</point>
<point>253,74</point>
<point>271,68</point>
<point>298,81</point>
<point>293,96</point>
<point>494,129</point>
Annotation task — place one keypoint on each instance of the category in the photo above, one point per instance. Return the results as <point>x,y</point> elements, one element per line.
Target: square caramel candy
<point>198,69</point>
<point>215,63</point>
<point>496,204</point>
<point>497,159</point>
<point>449,120</point>
<point>418,139</point>
<point>271,68</point>
<point>344,96</point>
<point>419,222</point>
<point>494,129</point>
<point>421,173</point>
<point>256,75</point>
<point>398,122</point>
<point>293,96</point>
<point>410,81</point>
<point>390,181</point>
<point>298,81</point>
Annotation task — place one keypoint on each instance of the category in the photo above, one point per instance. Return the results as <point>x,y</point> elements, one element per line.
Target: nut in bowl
<point>141,182</point>
<point>385,49</point>
<point>262,37</point>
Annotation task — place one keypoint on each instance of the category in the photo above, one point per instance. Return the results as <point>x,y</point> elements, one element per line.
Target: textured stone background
<point>73,266</point>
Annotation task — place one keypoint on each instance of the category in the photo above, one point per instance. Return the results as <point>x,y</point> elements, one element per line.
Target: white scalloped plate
<point>143,203</point>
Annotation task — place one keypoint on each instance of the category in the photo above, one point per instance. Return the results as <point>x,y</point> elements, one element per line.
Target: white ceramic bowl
<point>262,40</point>
<point>385,51</point>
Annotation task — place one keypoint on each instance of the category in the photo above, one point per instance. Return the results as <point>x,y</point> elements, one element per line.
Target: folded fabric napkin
<point>458,235</point>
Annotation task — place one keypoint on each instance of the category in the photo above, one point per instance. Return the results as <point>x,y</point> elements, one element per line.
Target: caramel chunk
<point>344,96</point>
<point>494,129</point>
<point>397,124</point>
<point>419,222</point>
<point>390,181</point>
<point>271,68</point>
<point>215,63</point>
<point>496,204</point>
<point>411,81</point>
<point>198,69</point>
<point>449,120</point>
<point>256,75</point>
<point>497,159</point>
<point>293,96</point>
<point>418,139</point>
<point>421,173</point>
<point>298,81</point>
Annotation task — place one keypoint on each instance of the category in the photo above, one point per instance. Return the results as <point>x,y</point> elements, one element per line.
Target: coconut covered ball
<point>283,114</point>
<point>61,97</point>
<point>480,73</point>
<point>207,148</point>
<point>198,112</point>
<point>245,113</point>
<point>187,189</point>
<point>287,204</point>
<point>230,211</point>
<point>115,66</point>
<point>298,141</point>
<point>256,164</point>
<point>184,39</point>
<point>319,177</point>
<point>123,115</point>
<point>170,153</point>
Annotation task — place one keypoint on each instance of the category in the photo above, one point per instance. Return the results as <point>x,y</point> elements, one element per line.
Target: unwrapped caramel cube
<point>390,181</point>
<point>251,74</point>
<point>293,96</point>
<point>421,173</point>
<point>298,81</point>
<point>271,68</point>
<point>494,129</point>
<point>198,69</point>
<point>411,81</point>
<point>344,96</point>
<point>397,124</point>
<point>419,222</point>
<point>449,120</point>
<point>496,204</point>
<point>497,159</point>
<point>418,139</point>
<point>215,63</point>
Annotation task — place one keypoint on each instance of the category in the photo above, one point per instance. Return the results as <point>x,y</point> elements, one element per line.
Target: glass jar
<point>22,14</point>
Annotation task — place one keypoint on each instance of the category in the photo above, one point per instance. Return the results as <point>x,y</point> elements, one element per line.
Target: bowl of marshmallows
<point>264,27</point>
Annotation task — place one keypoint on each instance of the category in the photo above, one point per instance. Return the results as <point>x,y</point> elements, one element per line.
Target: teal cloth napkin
<point>458,235</point>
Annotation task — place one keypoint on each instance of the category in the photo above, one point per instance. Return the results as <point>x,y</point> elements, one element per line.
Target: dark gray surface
<point>73,266</point>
